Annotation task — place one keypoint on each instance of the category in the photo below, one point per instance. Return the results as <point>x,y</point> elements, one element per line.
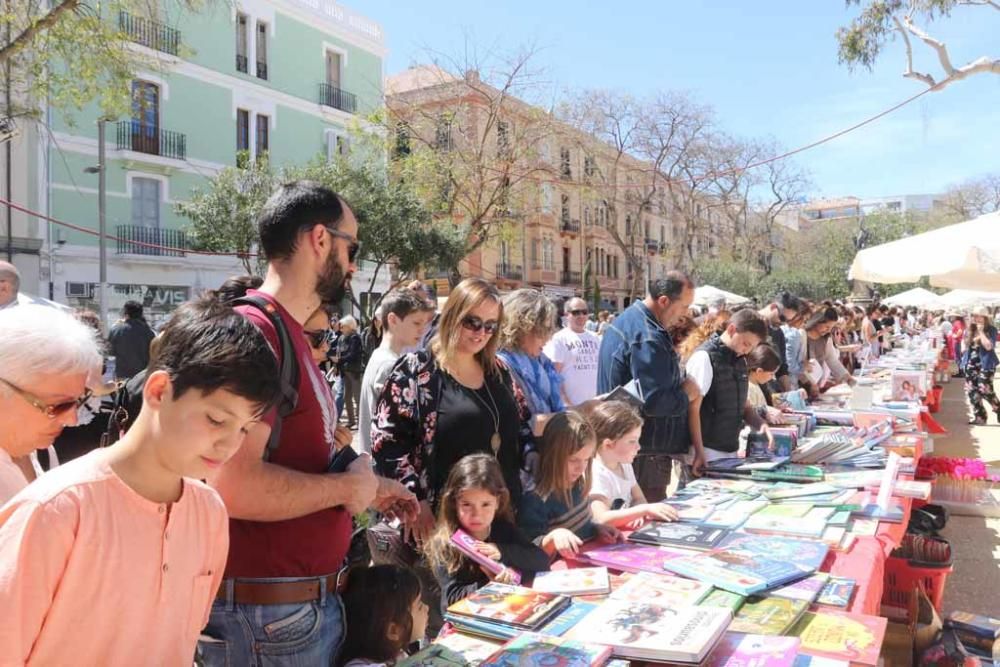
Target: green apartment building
<point>282,77</point>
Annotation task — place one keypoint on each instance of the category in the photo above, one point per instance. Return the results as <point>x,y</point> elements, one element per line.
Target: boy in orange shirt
<point>114,558</point>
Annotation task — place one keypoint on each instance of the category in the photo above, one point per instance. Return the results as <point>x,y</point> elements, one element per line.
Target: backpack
<point>128,398</point>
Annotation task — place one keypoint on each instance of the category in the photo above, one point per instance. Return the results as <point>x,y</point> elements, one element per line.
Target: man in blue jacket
<point>637,345</point>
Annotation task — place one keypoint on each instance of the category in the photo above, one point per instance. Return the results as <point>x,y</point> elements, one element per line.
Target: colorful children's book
<point>649,631</point>
<point>742,572</point>
<point>791,472</point>
<point>510,605</point>
<point>535,649</point>
<point>892,514</point>
<point>662,589</point>
<point>473,649</point>
<point>974,624</point>
<point>863,527</point>
<point>691,513</point>
<point>631,557</point>
<point>837,592</point>
<point>737,650</point>
<point>721,598</point>
<point>804,589</point>
<point>467,545</point>
<point>568,617</point>
<point>554,627</point>
<point>807,554</point>
<point>574,581</point>
<point>437,655</point>
<point>792,527</point>
<point>684,535</point>
<point>768,616</point>
<point>785,511</point>
<point>842,636</point>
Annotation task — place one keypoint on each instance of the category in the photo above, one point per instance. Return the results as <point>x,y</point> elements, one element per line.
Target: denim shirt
<point>636,346</point>
<point>793,349</point>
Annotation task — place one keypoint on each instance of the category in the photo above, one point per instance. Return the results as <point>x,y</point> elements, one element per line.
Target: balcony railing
<point>510,271</point>
<point>570,226</point>
<point>135,240</point>
<point>133,135</point>
<point>261,70</point>
<point>331,96</point>
<point>152,34</point>
<point>241,64</point>
<point>570,277</point>
<point>652,246</point>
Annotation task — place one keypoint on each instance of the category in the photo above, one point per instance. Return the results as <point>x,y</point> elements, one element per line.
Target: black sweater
<point>516,551</point>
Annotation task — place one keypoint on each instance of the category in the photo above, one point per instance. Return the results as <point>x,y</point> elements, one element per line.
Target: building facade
<point>578,219</point>
<point>281,78</point>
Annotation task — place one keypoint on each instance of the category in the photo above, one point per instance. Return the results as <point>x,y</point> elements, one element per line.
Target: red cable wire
<point>733,171</point>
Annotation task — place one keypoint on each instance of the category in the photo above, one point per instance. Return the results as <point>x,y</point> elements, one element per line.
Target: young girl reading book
<point>556,513</point>
<point>615,496</point>
<point>476,502</point>
<point>384,614</point>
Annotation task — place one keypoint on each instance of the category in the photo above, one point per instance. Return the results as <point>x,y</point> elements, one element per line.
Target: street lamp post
<point>101,171</point>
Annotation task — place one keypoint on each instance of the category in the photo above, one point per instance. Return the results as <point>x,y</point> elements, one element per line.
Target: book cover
<point>691,513</point>
<point>472,649</point>
<point>842,636</point>
<point>837,592</point>
<point>742,572</point>
<point>864,527</point>
<point>535,649</point>
<point>738,650</point>
<point>796,511</point>
<point>482,628</point>
<point>725,599</point>
<point>685,535</point>
<point>631,557</point>
<point>436,655</point>
<point>650,631</point>
<point>807,554</point>
<point>800,490</point>
<point>768,616</point>
<point>510,605</point>
<point>975,624</point>
<point>662,589</point>
<point>892,514</point>
<point>804,589</point>
<point>794,472</point>
<point>467,545</point>
<point>793,527</point>
<point>568,617</point>
<point>574,581</point>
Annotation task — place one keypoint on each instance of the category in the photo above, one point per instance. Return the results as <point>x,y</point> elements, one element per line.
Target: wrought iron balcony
<point>331,96</point>
<point>571,278</point>
<point>134,135</point>
<point>135,240</point>
<point>570,226</point>
<point>652,246</point>
<point>149,33</point>
<point>509,271</point>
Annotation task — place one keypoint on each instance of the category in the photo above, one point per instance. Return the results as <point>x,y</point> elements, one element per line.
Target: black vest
<point>722,407</point>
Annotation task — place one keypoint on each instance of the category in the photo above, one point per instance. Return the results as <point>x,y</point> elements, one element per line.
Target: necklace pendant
<point>495,442</point>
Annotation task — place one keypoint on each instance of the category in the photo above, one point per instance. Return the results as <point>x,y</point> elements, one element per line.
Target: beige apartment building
<point>567,210</point>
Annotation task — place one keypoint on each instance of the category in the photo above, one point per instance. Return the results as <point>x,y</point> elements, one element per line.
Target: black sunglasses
<point>579,312</point>
<point>317,337</point>
<point>476,324</point>
<point>355,246</point>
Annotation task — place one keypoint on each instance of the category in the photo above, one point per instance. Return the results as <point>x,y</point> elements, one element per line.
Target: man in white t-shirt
<point>574,353</point>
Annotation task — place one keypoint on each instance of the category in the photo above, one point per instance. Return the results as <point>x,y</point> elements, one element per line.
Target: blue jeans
<point>289,635</point>
<point>338,395</point>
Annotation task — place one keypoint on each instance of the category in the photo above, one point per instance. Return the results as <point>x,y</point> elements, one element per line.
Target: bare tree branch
<point>910,73</point>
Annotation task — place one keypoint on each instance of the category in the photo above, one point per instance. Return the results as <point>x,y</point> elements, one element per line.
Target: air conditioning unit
<point>80,290</point>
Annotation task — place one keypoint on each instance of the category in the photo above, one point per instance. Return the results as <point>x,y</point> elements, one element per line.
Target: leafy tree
<point>880,21</point>
<point>71,52</point>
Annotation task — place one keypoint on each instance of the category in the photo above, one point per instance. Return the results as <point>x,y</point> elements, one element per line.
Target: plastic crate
<point>903,574</point>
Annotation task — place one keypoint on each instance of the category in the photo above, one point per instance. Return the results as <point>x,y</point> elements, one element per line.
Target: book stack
<point>534,649</point>
<point>838,635</point>
<point>503,611</point>
<point>633,557</point>
<point>574,581</point>
<point>980,635</point>
<point>683,535</point>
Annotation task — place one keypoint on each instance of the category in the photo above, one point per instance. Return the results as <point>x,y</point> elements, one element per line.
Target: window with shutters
<point>146,202</point>
<point>261,50</point>
<point>242,41</point>
<point>263,139</point>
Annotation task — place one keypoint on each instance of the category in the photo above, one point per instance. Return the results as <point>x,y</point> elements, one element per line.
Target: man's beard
<point>331,286</point>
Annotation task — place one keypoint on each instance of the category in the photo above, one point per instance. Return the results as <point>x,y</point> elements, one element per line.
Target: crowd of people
<point>218,520</point>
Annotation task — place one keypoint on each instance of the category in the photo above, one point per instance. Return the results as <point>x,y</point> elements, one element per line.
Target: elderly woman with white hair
<point>46,358</point>
<point>351,365</point>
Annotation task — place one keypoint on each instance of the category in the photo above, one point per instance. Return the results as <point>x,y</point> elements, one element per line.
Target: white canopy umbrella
<point>918,297</point>
<point>707,295</point>
<point>966,299</point>
<point>965,255</point>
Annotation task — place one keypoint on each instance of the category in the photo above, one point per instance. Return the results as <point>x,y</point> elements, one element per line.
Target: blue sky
<point>769,68</point>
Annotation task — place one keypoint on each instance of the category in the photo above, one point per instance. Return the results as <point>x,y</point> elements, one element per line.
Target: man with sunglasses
<point>290,515</point>
<point>574,351</point>
<point>46,357</point>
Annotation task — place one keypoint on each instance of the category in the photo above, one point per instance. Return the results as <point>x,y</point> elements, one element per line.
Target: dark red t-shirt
<point>311,545</point>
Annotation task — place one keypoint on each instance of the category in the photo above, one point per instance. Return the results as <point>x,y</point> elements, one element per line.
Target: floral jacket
<point>405,421</point>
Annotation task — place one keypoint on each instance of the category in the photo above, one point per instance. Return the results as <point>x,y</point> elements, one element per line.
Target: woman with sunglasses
<point>46,358</point>
<point>446,403</point>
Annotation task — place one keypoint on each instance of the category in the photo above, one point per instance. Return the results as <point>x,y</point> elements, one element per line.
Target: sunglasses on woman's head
<point>318,337</point>
<point>476,324</point>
